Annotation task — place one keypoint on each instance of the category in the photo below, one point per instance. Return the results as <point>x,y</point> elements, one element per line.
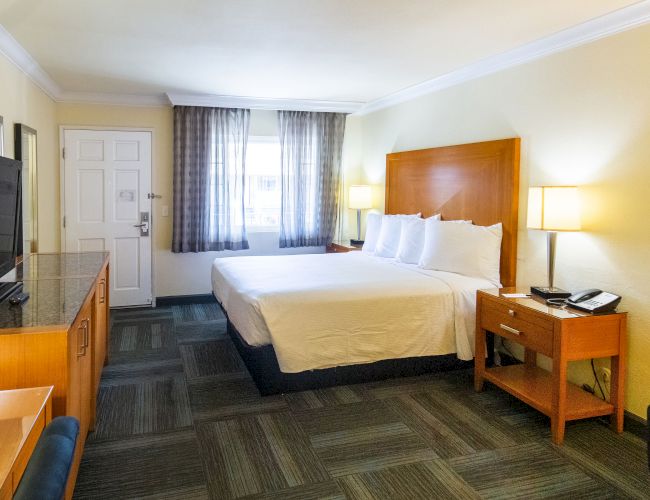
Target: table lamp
<point>360,199</point>
<point>553,209</point>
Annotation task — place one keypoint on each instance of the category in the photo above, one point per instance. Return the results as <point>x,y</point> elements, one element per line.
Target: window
<point>263,194</point>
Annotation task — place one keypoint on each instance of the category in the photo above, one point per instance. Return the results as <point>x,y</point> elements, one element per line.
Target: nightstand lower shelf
<point>534,386</point>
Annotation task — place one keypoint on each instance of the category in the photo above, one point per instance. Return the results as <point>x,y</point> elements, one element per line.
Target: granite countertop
<point>52,302</point>
<point>57,284</point>
<point>60,265</point>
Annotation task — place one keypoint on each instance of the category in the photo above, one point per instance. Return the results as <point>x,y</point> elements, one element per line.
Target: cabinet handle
<point>86,323</point>
<point>81,349</point>
<point>510,329</point>
<point>102,295</point>
<point>511,313</point>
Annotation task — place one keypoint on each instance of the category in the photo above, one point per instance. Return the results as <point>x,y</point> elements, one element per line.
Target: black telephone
<point>594,301</point>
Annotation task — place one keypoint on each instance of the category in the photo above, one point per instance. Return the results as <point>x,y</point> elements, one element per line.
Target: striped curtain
<point>311,146</point>
<point>209,179</point>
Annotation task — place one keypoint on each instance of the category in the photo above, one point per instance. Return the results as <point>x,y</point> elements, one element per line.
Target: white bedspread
<point>325,310</point>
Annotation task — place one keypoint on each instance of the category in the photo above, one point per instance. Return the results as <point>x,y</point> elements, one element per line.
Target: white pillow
<point>463,248</point>
<point>373,226</point>
<point>411,240</point>
<point>389,235</point>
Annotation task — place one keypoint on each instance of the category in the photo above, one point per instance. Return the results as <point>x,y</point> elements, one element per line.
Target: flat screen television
<point>10,210</point>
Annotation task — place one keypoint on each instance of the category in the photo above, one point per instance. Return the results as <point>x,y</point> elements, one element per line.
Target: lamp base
<point>356,243</point>
<point>549,292</point>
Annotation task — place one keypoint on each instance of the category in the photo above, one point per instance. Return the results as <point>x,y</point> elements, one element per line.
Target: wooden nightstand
<point>341,247</point>
<point>561,334</point>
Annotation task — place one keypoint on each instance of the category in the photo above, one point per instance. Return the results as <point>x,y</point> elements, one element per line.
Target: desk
<point>24,413</point>
<point>563,335</point>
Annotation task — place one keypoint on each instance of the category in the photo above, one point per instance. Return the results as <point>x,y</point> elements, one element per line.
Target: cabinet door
<point>76,350</point>
<point>80,382</point>
<point>100,338</point>
<point>86,382</point>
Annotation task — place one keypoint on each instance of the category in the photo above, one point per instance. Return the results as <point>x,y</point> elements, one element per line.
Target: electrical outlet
<point>605,374</point>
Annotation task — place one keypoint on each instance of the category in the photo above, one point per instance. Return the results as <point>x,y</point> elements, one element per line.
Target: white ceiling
<point>339,50</point>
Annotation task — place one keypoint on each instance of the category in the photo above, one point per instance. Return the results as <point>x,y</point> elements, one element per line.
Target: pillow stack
<point>391,234</point>
<point>383,233</point>
<point>373,226</point>
<point>463,248</point>
<point>411,240</point>
<point>453,246</point>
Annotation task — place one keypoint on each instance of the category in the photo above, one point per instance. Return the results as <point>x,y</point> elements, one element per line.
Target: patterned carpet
<point>180,418</point>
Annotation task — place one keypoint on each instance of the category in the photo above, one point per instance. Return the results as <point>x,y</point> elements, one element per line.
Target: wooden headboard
<point>478,181</point>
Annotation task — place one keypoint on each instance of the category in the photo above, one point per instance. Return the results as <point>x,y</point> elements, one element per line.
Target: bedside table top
<point>538,304</point>
<point>345,244</point>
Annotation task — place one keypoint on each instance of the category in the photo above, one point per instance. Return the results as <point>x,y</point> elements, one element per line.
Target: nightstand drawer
<point>518,325</point>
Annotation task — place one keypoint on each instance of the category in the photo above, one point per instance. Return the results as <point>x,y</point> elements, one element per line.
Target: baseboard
<point>180,300</point>
<point>636,425</point>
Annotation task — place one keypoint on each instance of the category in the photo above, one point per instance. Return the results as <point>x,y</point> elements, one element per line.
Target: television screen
<point>9,212</point>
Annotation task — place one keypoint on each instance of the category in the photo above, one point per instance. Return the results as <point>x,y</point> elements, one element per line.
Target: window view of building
<point>263,188</point>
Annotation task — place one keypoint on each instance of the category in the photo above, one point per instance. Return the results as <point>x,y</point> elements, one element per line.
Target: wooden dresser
<point>59,336</point>
<point>563,335</point>
<point>24,413</point>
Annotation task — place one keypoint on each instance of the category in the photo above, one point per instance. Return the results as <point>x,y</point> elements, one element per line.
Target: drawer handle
<point>511,313</point>
<point>510,329</point>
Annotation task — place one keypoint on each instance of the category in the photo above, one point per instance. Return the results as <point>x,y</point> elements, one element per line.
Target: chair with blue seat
<point>47,471</point>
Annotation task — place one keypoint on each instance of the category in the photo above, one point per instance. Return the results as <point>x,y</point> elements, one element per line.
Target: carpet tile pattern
<point>178,417</point>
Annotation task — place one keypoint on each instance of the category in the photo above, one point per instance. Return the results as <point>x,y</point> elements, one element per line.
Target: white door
<point>107,179</point>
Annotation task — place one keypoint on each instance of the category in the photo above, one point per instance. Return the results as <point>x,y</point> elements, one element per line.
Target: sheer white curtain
<point>311,145</point>
<point>209,178</point>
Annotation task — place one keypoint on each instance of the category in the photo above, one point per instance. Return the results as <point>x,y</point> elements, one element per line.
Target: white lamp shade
<point>554,208</point>
<point>360,197</point>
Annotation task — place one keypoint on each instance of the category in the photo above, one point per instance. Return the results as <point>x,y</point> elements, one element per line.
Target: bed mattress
<point>325,310</point>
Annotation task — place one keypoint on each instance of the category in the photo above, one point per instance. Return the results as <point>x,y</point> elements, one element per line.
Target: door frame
<point>62,130</point>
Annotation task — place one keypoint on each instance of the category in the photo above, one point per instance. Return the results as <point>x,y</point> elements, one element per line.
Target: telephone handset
<point>594,301</point>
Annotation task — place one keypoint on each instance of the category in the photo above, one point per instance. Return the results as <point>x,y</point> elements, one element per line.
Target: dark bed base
<point>263,367</point>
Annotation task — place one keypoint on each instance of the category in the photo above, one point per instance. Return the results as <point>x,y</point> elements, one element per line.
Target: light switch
<point>165,211</point>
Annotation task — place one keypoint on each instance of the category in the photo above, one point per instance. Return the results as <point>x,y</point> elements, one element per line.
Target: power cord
<point>507,349</point>
<point>593,369</point>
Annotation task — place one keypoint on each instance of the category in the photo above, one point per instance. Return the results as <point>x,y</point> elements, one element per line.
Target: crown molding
<point>149,101</point>
<point>15,52</point>
<point>222,101</point>
<point>600,27</point>
<point>609,24</point>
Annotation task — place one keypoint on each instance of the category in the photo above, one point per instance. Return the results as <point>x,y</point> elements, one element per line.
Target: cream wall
<point>23,102</point>
<point>584,118</point>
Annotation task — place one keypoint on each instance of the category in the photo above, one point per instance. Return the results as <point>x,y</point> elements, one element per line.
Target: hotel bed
<point>323,310</point>
<point>307,321</point>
